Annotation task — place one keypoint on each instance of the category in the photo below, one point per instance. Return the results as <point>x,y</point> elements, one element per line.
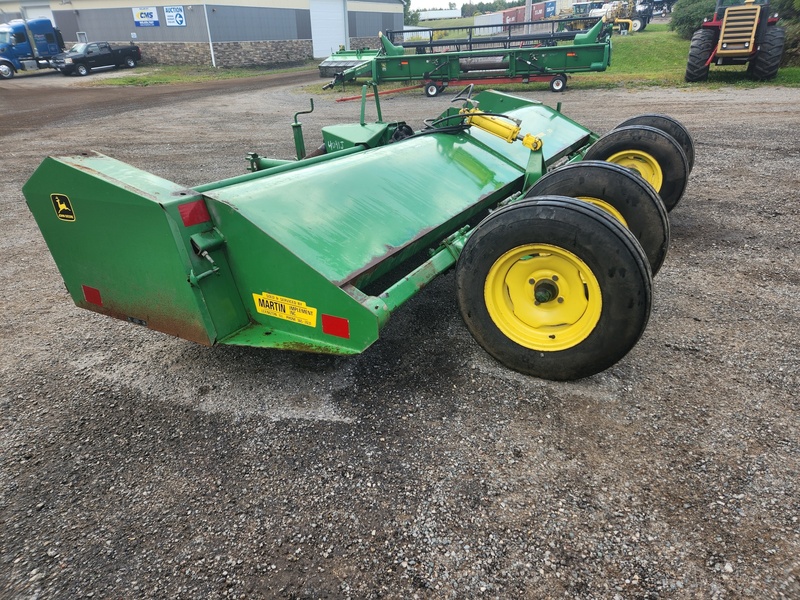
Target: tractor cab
<point>583,9</point>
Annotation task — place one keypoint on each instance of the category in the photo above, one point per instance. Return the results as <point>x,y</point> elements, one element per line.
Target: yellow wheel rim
<point>543,297</point>
<point>602,204</point>
<point>641,162</point>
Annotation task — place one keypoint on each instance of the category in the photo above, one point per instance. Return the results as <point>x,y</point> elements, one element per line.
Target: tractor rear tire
<point>765,65</point>
<point>700,51</point>
<point>655,155</point>
<point>621,193</point>
<point>668,125</point>
<point>637,24</point>
<point>554,287</point>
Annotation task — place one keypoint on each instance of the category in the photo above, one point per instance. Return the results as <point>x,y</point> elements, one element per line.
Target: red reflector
<point>92,295</point>
<point>572,54</point>
<point>403,62</point>
<point>194,213</point>
<point>336,326</point>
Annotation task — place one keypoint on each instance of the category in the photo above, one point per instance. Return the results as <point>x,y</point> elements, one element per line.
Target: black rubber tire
<point>765,65</point>
<point>130,63</point>
<point>662,147</point>
<point>82,70</point>
<point>668,125</point>
<point>558,83</point>
<point>6,71</point>
<point>634,198</point>
<point>432,90</point>
<point>700,50</point>
<point>610,252</point>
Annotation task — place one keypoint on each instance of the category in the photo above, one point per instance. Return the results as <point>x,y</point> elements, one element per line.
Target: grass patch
<point>657,57</point>
<point>171,74</point>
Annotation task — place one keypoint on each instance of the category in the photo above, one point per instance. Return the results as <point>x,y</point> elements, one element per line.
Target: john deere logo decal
<point>63,207</point>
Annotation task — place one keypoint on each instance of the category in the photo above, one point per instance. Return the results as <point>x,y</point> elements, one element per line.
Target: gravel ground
<point>134,465</point>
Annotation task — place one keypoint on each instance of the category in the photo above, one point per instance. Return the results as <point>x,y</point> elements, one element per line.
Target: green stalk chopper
<point>554,232</point>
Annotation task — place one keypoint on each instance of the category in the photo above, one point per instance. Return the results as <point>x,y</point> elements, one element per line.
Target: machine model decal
<point>287,309</point>
<point>63,207</point>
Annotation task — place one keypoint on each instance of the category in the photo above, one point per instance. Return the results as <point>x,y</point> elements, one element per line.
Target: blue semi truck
<point>28,45</point>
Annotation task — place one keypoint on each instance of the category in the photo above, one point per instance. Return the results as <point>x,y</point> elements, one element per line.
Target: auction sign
<point>174,16</point>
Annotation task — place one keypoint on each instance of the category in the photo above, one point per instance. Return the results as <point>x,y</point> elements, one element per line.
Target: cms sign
<point>145,16</point>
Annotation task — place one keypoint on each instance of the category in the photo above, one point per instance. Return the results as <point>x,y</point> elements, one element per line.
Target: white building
<point>223,33</point>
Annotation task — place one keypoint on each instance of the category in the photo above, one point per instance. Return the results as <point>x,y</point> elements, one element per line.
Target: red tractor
<point>738,33</point>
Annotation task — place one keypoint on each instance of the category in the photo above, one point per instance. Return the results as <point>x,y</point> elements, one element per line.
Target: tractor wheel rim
<point>5,70</point>
<point>605,206</point>
<point>641,162</point>
<point>543,297</point>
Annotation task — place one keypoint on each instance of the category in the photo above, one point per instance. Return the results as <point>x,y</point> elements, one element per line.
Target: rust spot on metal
<point>182,326</point>
<point>312,348</point>
<point>391,253</point>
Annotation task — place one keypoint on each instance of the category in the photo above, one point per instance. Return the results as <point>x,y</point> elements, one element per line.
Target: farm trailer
<point>477,37</point>
<point>590,51</point>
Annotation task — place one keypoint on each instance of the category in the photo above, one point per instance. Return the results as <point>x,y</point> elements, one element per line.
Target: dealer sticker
<point>287,309</point>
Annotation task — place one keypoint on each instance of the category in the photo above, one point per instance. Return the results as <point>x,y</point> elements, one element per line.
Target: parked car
<point>84,57</point>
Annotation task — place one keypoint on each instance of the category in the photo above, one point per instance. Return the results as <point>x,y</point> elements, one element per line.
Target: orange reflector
<point>572,54</point>
<point>336,326</point>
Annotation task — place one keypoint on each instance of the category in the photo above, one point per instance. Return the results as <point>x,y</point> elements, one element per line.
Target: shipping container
<point>490,19</point>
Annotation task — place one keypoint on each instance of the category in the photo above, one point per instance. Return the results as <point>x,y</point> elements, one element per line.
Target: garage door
<point>35,12</point>
<point>328,26</point>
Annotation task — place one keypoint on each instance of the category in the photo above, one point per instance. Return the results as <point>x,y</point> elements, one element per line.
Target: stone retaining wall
<point>227,54</point>
<point>368,42</point>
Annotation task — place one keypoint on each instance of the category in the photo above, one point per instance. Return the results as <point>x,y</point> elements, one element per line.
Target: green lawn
<point>146,75</point>
<point>657,56</point>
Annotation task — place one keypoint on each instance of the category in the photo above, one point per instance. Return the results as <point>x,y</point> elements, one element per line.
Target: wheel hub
<point>543,297</point>
<point>545,290</point>
<point>642,163</point>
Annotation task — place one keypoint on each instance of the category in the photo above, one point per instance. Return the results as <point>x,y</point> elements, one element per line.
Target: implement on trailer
<point>315,254</point>
<point>590,51</point>
<point>477,37</point>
